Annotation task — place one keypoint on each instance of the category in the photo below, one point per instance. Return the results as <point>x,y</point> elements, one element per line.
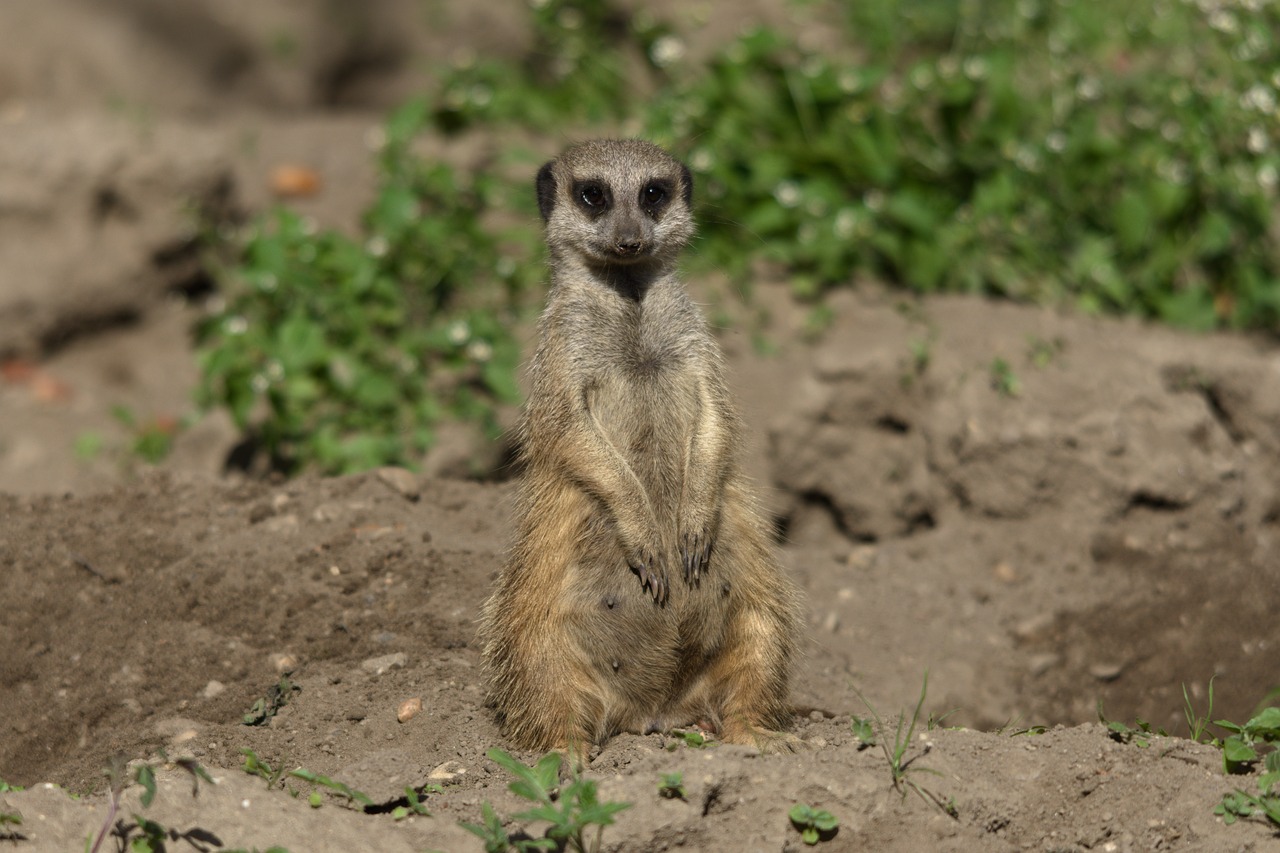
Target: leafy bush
<point>344,353</point>
<point>1040,150</point>
<point>1124,158</point>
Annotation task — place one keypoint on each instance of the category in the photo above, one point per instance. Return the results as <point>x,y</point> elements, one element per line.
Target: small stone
<point>1029,629</point>
<point>281,524</point>
<point>283,662</point>
<point>831,622</point>
<point>1042,663</point>
<point>447,772</point>
<point>1004,572</point>
<point>862,557</point>
<point>402,480</point>
<point>379,665</point>
<point>1106,671</point>
<point>409,709</point>
<point>213,689</point>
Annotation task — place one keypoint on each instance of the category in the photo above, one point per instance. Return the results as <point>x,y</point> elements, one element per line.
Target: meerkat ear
<point>546,184</point>
<point>687,178</point>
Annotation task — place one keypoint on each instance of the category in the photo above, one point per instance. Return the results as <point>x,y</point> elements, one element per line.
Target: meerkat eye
<point>653,195</point>
<point>593,196</point>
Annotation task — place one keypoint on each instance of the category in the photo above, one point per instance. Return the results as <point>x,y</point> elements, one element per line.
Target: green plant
<point>814,824</point>
<point>490,832</point>
<point>151,835</point>
<point>691,738</point>
<point>342,354</point>
<point>1003,379</point>
<point>570,810</point>
<point>1041,352</point>
<point>1240,804</point>
<point>255,766</point>
<point>152,439</point>
<point>1196,724</point>
<point>1242,748</point>
<point>864,730</point>
<point>1123,160</point>
<point>414,806</point>
<point>672,786</point>
<point>337,787</point>
<point>1140,734</point>
<point>278,695</point>
<point>900,766</point>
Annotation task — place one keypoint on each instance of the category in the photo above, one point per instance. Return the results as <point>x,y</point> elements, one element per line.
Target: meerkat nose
<point>628,248</point>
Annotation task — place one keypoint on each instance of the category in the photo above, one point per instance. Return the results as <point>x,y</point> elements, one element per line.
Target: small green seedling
<point>490,833</point>
<point>814,824</point>
<point>672,786</point>
<point>1239,804</point>
<point>415,806</point>
<point>8,820</point>
<point>342,788</point>
<point>1196,724</point>
<point>570,810</point>
<point>1140,735</point>
<point>1003,379</point>
<point>152,835</point>
<point>255,766</point>
<point>689,737</point>
<point>864,731</point>
<point>277,697</point>
<point>1240,750</point>
<point>899,765</point>
<point>1041,353</point>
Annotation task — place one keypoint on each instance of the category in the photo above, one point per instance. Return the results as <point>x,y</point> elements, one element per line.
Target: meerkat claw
<point>696,557</point>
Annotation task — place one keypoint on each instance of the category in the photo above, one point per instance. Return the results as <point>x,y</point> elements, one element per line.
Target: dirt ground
<point>1110,532</point>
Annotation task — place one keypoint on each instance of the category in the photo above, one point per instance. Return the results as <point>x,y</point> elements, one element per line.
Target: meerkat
<point>642,591</point>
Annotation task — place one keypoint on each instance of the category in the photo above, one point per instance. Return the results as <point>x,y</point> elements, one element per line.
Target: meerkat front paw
<point>652,573</point>
<point>695,553</point>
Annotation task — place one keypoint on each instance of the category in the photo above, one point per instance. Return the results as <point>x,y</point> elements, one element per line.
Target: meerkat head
<point>616,203</point>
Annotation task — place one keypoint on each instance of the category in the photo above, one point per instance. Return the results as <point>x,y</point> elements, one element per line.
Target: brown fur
<point>642,591</point>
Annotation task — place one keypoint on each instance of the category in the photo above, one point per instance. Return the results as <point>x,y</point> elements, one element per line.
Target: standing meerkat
<point>642,591</point>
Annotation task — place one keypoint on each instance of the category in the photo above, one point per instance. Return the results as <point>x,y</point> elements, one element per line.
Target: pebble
<point>1032,627</point>
<point>447,772</point>
<point>213,689</point>
<point>402,480</point>
<point>1106,671</point>
<point>1042,663</point>
<point>379,665</point>
<point>409,709</point>
<point>283,662</point>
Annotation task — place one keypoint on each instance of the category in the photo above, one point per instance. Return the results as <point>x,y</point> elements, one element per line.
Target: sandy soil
<point>1111,533</point>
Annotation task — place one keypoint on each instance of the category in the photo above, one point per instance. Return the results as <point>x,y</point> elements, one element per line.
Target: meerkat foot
<point>651,573</point>
<point>768,741</point>
<point>695,554</point>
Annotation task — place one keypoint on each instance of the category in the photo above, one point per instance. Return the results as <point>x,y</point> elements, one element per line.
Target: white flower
<point>1257,142</point>
<point>1267,177</point>
<point>479,350</point>
<point>666,50</point>
<point>235,325</point>
<point>377,246</point>
<point>459,332</point>
<point>787,193</point>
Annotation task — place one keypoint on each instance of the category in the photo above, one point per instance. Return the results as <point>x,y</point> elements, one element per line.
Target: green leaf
<point>1236,752</point>
<point>146,777</point>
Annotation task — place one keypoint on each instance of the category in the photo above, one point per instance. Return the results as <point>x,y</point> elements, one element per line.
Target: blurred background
<point>301,235</point>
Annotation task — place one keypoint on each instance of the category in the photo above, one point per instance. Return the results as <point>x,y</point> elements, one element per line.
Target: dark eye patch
<point>592,196</point>
<point>654,196</point>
